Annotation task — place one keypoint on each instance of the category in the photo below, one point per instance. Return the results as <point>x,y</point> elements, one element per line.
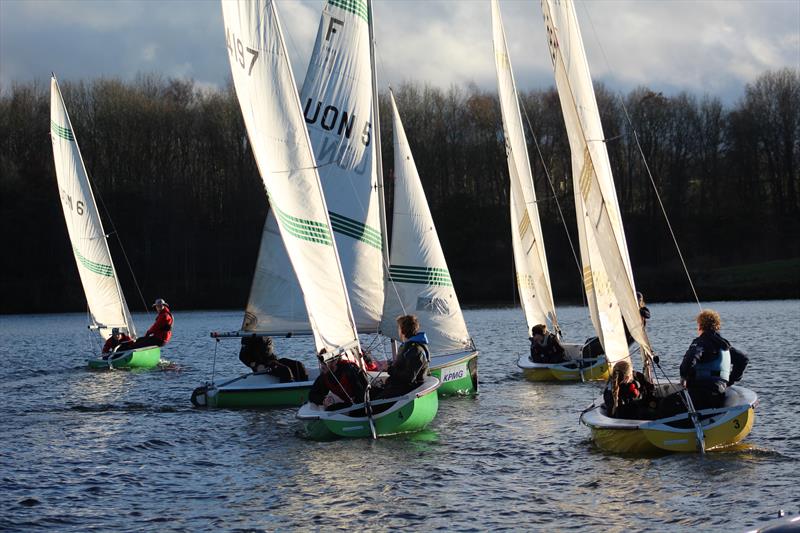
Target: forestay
<point>337,105</point>
<point>607,272</point>
<point>268,98</point>
<point>104,296</point>
<point>530,260</point>
<point>419,282</point>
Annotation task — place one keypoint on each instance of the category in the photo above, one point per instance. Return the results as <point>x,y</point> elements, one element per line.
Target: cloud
<point>669,45</point>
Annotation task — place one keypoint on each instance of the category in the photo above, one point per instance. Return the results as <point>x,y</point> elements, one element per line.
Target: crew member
<point>117,338</point>
<point>160,332</point>
<point>545,346</point>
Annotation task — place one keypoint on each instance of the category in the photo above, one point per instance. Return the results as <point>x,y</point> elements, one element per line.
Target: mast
<point>376,136</point>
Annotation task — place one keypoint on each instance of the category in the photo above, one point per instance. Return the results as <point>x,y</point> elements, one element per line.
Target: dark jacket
<point>112,343</point>
<point>348,383</point>
<point>549,352</point>
<point>633,397</point>
<point>162,327</point>
<point>256,351</point>
<point>410,367</point>
<point>703,350</point>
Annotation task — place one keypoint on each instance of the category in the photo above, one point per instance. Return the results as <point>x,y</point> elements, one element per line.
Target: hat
<point>115,331</point>
<point>160,301</point>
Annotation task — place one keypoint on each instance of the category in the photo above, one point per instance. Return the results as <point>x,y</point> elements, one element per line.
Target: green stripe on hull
<point>413,416</point>
<point>357,7</point>
<point>142,358</point>
<point>253,399</point>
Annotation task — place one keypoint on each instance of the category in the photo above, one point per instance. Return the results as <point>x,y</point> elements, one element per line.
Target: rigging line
<point>646,164</point>
<point>552,188</point>
<point>124,253</point>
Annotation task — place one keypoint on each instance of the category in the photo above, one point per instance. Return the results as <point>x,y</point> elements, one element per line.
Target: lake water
<point>126,451</point>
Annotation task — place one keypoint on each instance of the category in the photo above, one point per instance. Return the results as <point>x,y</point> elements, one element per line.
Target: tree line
<point>172,169</point>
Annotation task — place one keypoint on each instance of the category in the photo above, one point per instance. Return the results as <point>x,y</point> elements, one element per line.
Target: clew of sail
<point>104,295</point>
<point>608,268</point>
<point>337,104</point>
<point>267,96</point>
<point>530,260</point>
<point>419,281</point>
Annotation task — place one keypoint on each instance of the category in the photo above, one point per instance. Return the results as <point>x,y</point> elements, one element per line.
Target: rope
<point>552,188</point>
<point>124,254</point>
<point>646,166</point>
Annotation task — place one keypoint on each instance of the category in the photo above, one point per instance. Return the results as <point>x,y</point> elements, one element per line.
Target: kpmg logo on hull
<point>453,373</point>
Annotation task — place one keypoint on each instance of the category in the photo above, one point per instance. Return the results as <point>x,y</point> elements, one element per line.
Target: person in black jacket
<point>545,346</point>
<point>257,353</point>
<point>408,370</point>
<point>711,364</point>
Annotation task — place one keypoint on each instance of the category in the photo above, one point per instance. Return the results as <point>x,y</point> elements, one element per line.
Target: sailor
<point>628,393</point>
<point>410,366</point>
<point>258,354</point>
<point>341,383</point>
<point>117,337</point>
<point>160,332</point>
<point>711,364</point>
<point>545,346</point>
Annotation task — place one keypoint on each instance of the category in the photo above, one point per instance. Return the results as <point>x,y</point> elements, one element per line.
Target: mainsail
<point>337,104</point>
<point>530,261</point>
<point>606,265</point>
<point>267,95</point>
<point>419,281</point>
<point>107,304</point>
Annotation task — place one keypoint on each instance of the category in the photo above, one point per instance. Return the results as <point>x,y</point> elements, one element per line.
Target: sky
<point>710,47</point>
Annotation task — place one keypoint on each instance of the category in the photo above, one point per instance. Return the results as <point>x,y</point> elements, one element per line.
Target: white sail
<point>337,105</point>
<point>608,267</point>
<point>276,305</point>
<point>530,260</point>
<point>107,304</point>
<point>419,282</point>
<point>268,98</point>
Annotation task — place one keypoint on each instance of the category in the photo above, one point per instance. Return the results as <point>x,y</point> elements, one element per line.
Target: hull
<point>721,427</point>
<point>405,414</point>
<point>576,369</point>
<point>458,373</point>
<point>140,358</point>
<point>253,391</point>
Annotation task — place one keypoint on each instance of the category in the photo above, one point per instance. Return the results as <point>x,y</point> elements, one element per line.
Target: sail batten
<point>104,296</point>
<point>530,259</point>
<point>607,269</point>
<point>274,120</point>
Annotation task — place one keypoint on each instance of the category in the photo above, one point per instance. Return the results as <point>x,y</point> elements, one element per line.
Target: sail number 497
<point>240,53</point>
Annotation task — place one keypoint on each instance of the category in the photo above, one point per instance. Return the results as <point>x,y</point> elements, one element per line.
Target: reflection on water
<point>126,451</point>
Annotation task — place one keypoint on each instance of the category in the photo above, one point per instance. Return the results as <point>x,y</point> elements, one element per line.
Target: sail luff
<point>533,276</point>
<point>592,177</point>
<point>107,305</point>
<point>273,117</point>
<point>418,274</point>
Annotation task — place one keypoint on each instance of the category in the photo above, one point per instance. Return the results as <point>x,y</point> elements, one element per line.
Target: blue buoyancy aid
<point>717,368</point>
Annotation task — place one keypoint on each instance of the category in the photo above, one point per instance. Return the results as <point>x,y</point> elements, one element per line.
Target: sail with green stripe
<point>267,94</point>
<point>419,282</point>
<point>104,296</point>
<point>337,104</point>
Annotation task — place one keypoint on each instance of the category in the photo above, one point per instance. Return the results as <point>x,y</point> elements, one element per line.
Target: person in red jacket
<point>160,332</point>
<point>117,338</point>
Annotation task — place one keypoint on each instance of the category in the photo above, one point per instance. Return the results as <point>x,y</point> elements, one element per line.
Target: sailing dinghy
<point>530,260</point>
<point>609,268</point>
<point>273,117</point>
<point>339,101</point>
<point>104,297</point>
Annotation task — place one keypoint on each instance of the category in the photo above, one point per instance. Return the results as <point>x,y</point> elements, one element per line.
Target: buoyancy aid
<point>718,367</point>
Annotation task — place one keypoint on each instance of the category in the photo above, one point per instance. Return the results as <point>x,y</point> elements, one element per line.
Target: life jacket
<point>718,367</point>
